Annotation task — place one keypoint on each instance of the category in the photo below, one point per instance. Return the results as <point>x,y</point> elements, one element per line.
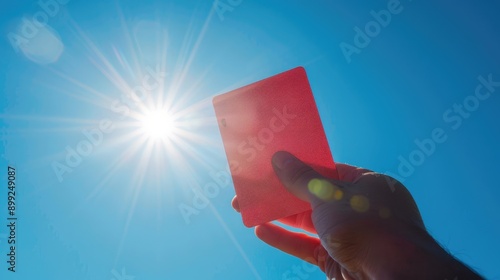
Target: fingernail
<point>283,159</point>
<point>262,230</point>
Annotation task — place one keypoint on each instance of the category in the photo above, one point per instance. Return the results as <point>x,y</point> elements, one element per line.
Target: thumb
<point>301,180</point>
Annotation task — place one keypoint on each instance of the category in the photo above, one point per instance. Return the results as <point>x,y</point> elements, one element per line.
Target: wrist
<point>411,253</point>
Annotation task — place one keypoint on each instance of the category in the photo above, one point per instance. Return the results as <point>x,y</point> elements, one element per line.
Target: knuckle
<point>302,175</point>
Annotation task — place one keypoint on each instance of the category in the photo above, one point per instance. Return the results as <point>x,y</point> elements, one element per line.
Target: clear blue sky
<point>115,211</point>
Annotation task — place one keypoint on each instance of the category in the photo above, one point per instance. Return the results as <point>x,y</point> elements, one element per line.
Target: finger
<point>294,174</point>
<point>235,204</point>
<point>303,181</point>
<point>296,244</point>
<point>350,173</point>
<point>302,220</point>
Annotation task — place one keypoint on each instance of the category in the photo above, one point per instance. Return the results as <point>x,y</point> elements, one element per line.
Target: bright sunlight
<point>157,125</point>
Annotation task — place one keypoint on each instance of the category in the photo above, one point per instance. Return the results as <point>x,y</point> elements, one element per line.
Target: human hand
<point>368,224</point>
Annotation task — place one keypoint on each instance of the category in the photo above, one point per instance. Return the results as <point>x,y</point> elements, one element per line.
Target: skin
<point>367,225</point>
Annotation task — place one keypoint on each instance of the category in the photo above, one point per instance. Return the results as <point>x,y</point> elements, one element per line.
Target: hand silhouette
<point>368,226</point>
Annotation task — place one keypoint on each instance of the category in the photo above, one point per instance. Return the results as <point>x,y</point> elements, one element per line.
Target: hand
<point>368,225</point>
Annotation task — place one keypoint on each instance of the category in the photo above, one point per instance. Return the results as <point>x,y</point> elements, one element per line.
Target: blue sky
<point>114,209</point>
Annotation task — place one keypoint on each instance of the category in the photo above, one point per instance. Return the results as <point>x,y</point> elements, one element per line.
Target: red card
<point>257,120</point>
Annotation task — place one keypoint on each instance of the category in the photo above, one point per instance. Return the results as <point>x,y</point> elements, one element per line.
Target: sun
<point>157,125</point>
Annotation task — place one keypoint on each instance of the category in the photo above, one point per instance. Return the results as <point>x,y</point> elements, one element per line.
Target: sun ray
<point>235,242</point>
<point>119,162</point>
<point>194,51</point>
<point>113,74</point>
<point>188,93</point>
<point>138,178</point>
<point>108,70</point>
<point>128,38</point>
<point>87,88</point>
<point>41,130</point>
<point>45,119</point>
